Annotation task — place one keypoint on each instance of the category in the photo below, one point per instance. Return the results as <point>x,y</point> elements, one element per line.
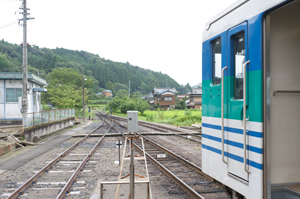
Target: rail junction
<point>71,173</point>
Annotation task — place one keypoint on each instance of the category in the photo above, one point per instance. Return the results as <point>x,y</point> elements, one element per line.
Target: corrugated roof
<point>17,75</point>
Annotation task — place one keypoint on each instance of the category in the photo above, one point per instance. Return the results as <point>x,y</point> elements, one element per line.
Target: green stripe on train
<point>233,109</point>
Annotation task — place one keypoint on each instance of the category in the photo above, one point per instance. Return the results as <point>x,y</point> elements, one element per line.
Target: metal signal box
<point>132,122</point>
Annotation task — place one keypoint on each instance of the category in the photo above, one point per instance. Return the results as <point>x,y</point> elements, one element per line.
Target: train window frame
<point>236,30</point>
<point>233,52</point>
<point>213,65</point>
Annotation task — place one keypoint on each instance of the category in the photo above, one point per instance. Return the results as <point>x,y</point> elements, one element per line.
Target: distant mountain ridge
<point>42,60</point>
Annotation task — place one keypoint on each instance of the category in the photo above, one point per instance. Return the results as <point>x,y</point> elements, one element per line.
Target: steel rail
<point>181,159</point>
<point>31,181</point>
<point>160,128</point>
<point>191,192</point>
<point>69,183</point>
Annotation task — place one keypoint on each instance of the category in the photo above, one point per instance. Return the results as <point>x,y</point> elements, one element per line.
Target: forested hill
<point>44,60</point>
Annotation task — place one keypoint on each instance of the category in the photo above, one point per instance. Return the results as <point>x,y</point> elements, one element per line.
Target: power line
<point>42,32</point>
<point>8,1</point>
<point>8,25</point>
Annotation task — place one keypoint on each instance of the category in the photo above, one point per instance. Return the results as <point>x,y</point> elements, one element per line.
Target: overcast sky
<point>161,35</point>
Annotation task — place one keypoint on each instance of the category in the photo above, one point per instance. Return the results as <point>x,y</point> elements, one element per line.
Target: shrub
<point>187,112</point>
<point>160,113</point>
<point>150,118</point>
<point>178,106</point>
<point>156,105</point>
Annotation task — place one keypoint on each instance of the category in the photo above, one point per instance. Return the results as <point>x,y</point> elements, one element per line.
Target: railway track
<point>60,167</point>
<point>187,178</point>
<point>189,136</point>
<point>186,175</point>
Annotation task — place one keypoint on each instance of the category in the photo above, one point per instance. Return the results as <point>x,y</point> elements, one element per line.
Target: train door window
<point>216,61</point>
<point>239,60</point>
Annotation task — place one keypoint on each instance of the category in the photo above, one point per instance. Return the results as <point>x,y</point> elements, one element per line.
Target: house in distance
<point>165,97</point>
<point>195,99</point>
<point>106,93</point>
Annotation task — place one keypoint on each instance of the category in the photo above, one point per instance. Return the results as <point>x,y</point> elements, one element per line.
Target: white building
<point>11,90</point>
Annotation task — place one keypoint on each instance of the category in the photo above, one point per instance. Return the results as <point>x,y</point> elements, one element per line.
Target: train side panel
<point>249,185</point>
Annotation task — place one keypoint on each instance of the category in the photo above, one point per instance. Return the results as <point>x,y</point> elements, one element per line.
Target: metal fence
<point>36,118</point>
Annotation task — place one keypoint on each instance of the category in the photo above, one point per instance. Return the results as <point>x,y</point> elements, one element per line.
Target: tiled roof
<point>158,91</point>
<point>196,91</point>
<point>17,75</point>
<point>150,95</point>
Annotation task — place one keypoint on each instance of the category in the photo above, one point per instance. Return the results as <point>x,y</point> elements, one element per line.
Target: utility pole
<point>166,83</point>
<point>83,107</point>
<point>129,90</point>
<point>25,69</point>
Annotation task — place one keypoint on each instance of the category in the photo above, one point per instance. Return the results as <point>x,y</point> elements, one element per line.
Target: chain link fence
<point>32,119</point>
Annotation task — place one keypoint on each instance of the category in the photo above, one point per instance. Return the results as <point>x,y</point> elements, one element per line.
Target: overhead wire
<point>41,31</point>
<point>8,24</point>
<point>8,1</point>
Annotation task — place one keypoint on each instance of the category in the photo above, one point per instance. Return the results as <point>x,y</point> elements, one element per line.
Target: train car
<point>251,99</point>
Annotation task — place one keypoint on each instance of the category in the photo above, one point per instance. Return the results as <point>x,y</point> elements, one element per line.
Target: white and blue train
<point>251,99</point>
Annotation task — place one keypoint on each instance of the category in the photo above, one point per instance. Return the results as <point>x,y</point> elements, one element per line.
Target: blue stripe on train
<point>234,157</point>
<point>233,130</point>
<point>235,144</point>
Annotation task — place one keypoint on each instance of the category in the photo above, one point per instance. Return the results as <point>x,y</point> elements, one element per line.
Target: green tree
<point>142,106</point>
<point>115,103</point>
<point>65,96</point>
<point>122,92</point>
<point>110,86</point>
<point>183,104</point>
<point>69,76</point>
<point>119,86</point>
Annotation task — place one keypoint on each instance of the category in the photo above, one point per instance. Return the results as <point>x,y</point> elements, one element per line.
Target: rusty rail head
<point>22,188</point>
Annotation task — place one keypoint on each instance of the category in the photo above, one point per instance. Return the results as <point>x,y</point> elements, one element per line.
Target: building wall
<point>165,102</point>
<point>197,99</point>
<point>198,106</point>
<point>107,94</point>
<point>11,110</point>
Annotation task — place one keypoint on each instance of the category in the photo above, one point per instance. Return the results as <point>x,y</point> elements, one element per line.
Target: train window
<point>216,61</point>
<point>239,60</point>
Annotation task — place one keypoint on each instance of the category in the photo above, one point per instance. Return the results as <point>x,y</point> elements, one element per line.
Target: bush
<point>156,105</point>
<point>187,112</point>
<point>124,108</point>
<point>183,104</point>
<point>97,101</point>
<point>150,118</point>
<point>178,106</point>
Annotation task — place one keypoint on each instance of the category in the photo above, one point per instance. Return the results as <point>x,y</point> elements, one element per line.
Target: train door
<point>236,131</point>
<point>282,100</point>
